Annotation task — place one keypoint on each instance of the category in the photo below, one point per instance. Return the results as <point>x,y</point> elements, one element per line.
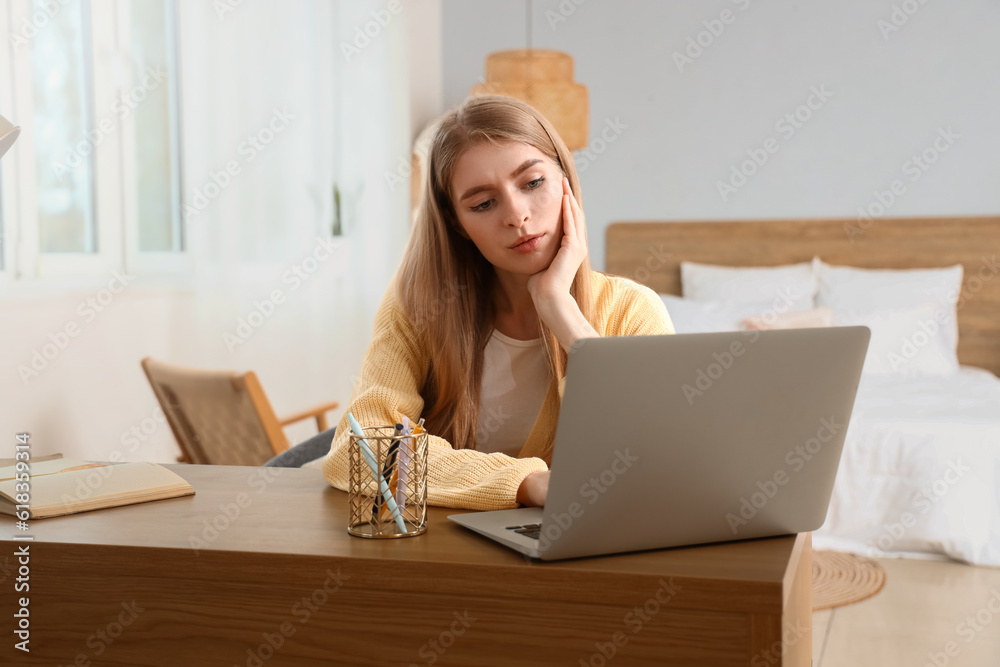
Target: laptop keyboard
<point>528,529</point>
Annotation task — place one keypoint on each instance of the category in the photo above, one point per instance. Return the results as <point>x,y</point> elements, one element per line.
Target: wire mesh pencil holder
<point>387,484</point>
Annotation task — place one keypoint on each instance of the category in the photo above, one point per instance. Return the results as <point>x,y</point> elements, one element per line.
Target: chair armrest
<point>319,412</point>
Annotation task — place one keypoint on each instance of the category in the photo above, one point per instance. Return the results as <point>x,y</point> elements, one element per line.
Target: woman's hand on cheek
<point>549,288</point>
<point>555,281</point>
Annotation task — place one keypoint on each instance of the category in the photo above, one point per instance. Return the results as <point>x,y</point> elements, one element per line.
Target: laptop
<point>677,440</point>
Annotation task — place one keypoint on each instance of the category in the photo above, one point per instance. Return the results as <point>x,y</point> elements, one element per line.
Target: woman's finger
<point>578,219</point>
<point>569,225</point>
<point>569,222</point>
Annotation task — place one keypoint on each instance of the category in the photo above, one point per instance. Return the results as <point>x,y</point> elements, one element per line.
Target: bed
<point>920,470</point>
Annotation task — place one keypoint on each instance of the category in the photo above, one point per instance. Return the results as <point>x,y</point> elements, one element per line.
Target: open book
<point>67,486</point>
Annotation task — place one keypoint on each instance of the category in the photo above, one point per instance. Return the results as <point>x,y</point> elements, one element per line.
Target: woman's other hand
<point>534,488</point>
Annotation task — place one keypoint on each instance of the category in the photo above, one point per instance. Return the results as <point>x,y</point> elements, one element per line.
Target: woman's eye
<point>531,185</point>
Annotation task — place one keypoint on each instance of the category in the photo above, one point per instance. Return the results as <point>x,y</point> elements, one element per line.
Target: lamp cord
<point>527,23</point>
<point>527,36</point>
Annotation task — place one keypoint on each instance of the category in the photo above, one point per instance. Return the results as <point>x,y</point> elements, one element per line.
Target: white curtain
<point>273,291</point>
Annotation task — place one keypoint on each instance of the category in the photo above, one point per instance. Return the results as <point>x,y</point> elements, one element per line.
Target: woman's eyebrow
<point>527,164</point>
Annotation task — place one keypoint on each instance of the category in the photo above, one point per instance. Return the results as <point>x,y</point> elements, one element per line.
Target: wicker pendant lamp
<point>543,79</point>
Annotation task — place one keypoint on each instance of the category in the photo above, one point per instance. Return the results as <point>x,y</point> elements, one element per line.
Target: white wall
<point>425,66</point>
<point>352,123</point>
<point>684,129</point>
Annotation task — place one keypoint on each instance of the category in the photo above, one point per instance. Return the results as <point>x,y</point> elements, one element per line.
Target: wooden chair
<point>222,417</point>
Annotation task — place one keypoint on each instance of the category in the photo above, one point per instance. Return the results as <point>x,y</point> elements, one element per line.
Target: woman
<point>494,288</point>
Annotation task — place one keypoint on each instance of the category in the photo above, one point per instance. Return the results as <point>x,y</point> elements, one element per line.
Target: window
<point>94,86</point>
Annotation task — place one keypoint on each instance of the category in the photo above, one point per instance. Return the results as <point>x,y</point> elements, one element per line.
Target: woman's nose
<point>517,212</point>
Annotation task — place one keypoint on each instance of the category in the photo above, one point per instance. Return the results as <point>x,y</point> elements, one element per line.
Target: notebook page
<point>42,467</point>
<point>132,480</point>
<point>9,462</point>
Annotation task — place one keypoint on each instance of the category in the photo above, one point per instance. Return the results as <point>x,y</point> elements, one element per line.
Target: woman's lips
<point>529,245</point>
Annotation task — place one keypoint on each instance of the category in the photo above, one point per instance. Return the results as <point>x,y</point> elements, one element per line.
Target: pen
<point>407,452</point>
<point>393,489</point>
<point>370,460</point>
<point>404,462</point>
<point>387,471</point>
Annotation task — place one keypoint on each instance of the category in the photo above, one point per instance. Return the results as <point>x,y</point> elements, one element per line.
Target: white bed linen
<point>920,471</point>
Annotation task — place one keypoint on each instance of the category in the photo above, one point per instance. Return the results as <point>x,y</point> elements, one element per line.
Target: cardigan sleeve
<point>393,372</point>
<point>647,314</point>
<point>632,309</point>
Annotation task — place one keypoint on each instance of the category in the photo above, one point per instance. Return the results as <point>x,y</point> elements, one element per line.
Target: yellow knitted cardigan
<point>394,371</point>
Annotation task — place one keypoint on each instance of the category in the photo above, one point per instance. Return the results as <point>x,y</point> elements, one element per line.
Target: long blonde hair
<point>446,286</point>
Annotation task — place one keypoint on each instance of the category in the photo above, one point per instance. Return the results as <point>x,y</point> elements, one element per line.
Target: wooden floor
<point>925,609</point>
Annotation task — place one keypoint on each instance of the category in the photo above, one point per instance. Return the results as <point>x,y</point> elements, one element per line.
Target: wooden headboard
<point>651,253</point>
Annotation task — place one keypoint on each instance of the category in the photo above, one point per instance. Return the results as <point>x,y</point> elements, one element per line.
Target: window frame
<point>138,261</point>
<point>107,45</point>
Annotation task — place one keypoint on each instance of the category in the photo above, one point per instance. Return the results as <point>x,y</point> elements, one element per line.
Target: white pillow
<point>690,316</point>
<point>911,341</point>
<point>756,284</point>
<point>848,288</point>
<point>851,287</point>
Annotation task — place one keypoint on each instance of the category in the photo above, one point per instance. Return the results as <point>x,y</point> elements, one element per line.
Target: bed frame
<point>651,253</point>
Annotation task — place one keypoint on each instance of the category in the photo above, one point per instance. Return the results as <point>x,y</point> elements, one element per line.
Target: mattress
<point>920,470</point>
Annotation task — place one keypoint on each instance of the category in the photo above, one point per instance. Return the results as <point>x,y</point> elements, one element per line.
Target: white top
<point>515,380</point>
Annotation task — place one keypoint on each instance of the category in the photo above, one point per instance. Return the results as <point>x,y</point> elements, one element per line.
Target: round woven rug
<point>841,578</point>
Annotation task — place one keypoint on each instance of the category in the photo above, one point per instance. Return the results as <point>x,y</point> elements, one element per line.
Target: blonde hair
<point>446,286</point>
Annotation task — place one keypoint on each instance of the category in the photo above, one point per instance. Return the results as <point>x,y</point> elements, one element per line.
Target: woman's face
<point>508,199</point>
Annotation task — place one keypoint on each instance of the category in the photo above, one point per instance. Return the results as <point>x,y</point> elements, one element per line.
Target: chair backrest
<point>218,417</point>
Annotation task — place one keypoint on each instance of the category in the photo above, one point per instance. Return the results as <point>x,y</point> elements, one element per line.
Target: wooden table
<point>278,581</point>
